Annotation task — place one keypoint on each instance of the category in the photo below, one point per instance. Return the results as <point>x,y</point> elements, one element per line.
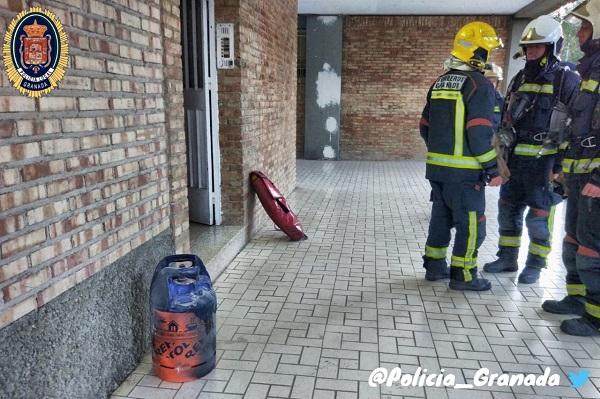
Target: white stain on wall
<point>329,87</point>
<point>331,124</point>
<point>328,152</point>
<point>327,20</point>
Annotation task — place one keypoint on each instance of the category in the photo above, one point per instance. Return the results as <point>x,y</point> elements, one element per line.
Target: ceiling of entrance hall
<point>414,7</point>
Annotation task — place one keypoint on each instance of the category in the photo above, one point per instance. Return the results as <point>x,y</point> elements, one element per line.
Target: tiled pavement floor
<point>313,318</point>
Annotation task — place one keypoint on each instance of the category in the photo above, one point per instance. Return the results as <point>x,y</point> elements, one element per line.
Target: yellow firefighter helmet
<point>474,42</point>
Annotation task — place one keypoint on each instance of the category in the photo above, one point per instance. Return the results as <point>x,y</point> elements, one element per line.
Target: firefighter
<point>581,245</point>
<point>533,162</point>
<point>456,125</point>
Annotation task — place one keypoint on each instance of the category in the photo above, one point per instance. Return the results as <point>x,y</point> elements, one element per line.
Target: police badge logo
<point>35,52</point>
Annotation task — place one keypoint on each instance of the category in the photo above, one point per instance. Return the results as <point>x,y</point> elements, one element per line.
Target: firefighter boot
<point>589,270</point>
<point>574,302</point>
<point>459,283</point>
<point>506,262</point>
<point>570,304</point>
<point>436,269</point>
<point>529,275</point>
<point>533,268</point>
<point>585,326</point>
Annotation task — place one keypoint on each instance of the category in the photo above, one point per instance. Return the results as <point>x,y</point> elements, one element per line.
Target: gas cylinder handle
<point>196,262</point>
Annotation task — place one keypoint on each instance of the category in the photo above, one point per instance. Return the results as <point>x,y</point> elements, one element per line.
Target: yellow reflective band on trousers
<point>459,116</point>
<point>592,310</point>
<point>510,241</point>
<point>589,85</point>
<point>576,289</point>
<point>542,250</point>
<point>468,262</point>
<point>435,253</point>
<point>463,262</point>
<point>531,150</point>
<point>551,222</point>
<point>497,109</point>
<point>547,88</point>
<point>539,250</point>
<point>579,166</point>
<point>471,244</point>
<point>452,161</point>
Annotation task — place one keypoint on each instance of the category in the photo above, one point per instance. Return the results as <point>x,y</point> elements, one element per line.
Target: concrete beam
<point>539,7</point>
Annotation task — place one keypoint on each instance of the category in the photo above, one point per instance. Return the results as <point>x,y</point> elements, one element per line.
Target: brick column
<point>257,103</point>
<point>230,122</point>
<point>175,128</point>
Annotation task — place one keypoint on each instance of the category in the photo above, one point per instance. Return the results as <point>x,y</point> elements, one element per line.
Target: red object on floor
<point>276,206</point>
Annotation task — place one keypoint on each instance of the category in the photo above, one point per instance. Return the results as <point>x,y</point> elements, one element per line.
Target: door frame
<point>209,96</point>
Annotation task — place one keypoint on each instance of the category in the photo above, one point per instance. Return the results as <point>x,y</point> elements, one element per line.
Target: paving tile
<point>278,391</point>
<point>323,394</point>
<point>190,390</point>
<point>256,391</point>
<point>273,379</point>
<point>128,385</point>
<point>213,395</point>
<point>170,385</point>
<point>297,369</point>
<point>303,387</point>
<point>152,393</point>
<point>337,384</point>
<point>239,382</point>
<point>214,386</point>
<point>310,356</point>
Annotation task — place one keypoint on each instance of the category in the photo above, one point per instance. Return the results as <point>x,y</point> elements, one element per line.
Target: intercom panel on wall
<point>225,57</point>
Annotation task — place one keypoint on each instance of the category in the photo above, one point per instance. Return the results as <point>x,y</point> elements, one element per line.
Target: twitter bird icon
<point>579,379</point>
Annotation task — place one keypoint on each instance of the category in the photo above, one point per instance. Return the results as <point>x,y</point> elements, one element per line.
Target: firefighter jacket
<point>531,101</point>
<point>456,125</point>
<point>583,153</point>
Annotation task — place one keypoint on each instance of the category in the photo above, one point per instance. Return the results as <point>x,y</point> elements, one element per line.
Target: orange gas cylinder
<point>183,306</point>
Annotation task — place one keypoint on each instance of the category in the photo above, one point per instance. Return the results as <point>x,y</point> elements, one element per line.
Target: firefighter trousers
<point>581,246</point>
<point>458,205</point>
<point>520,192</point>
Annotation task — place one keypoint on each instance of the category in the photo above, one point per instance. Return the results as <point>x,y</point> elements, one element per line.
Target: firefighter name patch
<point>35,52</point>
<point>450,82</point>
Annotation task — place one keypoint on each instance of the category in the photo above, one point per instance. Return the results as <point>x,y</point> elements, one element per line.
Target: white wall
<point>514,66</point>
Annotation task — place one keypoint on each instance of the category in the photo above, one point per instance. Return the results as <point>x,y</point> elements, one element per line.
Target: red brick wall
<point>230,142</point>
<point>85,175</point>
<point>174,120</point>
<point>257,103</point>
<point>389,64</point>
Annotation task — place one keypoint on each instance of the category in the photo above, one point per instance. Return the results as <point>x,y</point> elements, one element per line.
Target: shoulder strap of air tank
<point>561,82</point>
<point>516,82</point>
